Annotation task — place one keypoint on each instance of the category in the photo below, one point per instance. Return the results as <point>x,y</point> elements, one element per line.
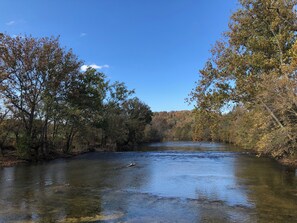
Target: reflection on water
<point>171,182</point>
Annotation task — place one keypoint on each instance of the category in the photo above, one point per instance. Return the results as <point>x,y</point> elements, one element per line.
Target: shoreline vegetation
<point>246,94</point>
<point>11,158</point>
<point>49,105</point>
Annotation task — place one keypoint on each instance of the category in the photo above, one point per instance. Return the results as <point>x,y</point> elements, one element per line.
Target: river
<point>170,182</point>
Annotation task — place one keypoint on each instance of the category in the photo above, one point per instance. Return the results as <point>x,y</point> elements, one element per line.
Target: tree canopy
<point>51,105</point>
<point>253,71</point>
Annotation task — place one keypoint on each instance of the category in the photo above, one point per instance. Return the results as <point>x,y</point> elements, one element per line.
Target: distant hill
<point>170,126</point>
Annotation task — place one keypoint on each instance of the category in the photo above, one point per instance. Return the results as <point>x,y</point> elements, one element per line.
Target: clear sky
<point>155,46</point>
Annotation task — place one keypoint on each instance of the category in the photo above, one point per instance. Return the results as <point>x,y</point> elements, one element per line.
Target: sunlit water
<point>171,182</point>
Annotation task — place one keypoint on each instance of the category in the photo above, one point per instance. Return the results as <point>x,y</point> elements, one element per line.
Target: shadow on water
<point>171,182</point>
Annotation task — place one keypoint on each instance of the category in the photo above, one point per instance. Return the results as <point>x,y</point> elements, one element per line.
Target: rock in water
<point>131,164</point>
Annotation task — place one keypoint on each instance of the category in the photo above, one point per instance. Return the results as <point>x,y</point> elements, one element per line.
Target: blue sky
<point>155,46</point>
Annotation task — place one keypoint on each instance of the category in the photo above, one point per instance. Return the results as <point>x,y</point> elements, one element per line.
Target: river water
<point>170,182</point>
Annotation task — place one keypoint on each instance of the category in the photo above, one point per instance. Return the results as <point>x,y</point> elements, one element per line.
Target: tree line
<point>247,91</point>
<point>170,126</point>
<point>49,105</point>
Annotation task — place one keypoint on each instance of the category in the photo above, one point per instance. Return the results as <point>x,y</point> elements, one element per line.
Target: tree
<point>138,116</point>
<point>3,126</point>
<point>84,105</point>
<point>55,107</point>
<point>34,74</point>
<point>254,68</point>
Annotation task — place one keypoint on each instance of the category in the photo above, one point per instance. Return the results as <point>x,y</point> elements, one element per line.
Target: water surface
<point>171,182</point>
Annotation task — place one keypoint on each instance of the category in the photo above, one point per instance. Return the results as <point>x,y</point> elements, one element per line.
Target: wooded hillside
<point>170,126</point>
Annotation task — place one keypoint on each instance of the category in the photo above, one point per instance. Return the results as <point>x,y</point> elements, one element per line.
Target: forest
<point>49,106</point>
<point>170,126</point>
<point>247,91</point>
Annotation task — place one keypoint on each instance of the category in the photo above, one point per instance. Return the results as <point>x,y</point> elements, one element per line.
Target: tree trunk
<point>69,140</point>
<point>276,119</point>
<point>44,142</point>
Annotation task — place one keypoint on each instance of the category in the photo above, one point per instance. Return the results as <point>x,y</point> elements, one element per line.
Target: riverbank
<point>10,158</point>
<point>288,162</point>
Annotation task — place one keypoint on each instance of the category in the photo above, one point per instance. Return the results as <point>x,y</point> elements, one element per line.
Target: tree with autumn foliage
<point>50,105</point>
<point>34,75</point>
<point>254,70</point>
